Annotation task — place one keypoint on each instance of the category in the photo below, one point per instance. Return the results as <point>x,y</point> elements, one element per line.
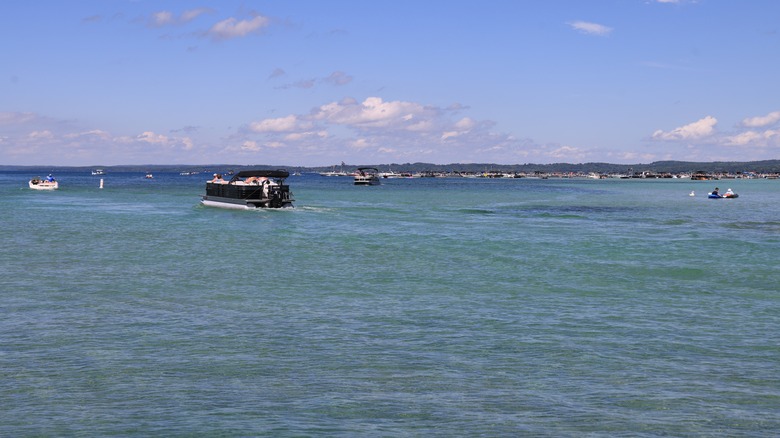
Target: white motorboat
<point>367,176</point>
<point>44,184</point>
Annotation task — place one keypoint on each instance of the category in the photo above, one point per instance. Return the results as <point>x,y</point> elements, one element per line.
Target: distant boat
<point>44,184</point>
<point>702,176</point>
<point>334,172</point>
<point>149,176</point>
<point>98,172</point>
<point>367,176</point>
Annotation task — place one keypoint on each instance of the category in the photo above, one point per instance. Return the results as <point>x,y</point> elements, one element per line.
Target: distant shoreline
<point>658,167</point>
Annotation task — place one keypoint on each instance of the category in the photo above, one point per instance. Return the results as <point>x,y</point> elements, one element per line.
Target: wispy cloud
<point>192,14</point>
<point>168,18</point>
<point>590,28</point>
<point>16,118</point>
<point>226,29</point>
<point>234,28</point>
<point>337,78</point>
<point>761,121</point>
<point>664,66</point>
<point>161,18</point>
<point>277,73</point>
<point>92,19</point>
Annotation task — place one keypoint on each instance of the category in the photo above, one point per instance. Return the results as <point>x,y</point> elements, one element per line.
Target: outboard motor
<point>276,197</point>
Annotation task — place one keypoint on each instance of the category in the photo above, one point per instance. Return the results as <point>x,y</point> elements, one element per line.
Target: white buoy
<point>101,183</point>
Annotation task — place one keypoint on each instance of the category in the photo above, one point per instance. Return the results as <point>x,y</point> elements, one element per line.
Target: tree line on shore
<point>674,167</point>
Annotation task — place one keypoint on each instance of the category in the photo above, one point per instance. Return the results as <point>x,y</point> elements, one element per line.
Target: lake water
<point>424,307</point>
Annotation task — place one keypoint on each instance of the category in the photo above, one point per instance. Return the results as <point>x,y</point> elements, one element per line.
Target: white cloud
<point>41,135</point>
<point>692,131</point>
<point>449,134</point>
<point>373,112</point>
<point>282,124</point>
<point>234,28</point>
<point>152,138</point>
<point>250,145</point>
<point>297,136</point>
<point>192,14</point>
<point>761,121</point>
<point>754,139</point>
<point>187,144</point>
<point>420,126</point>
<point>374,129</point>
<point>166,18</point>
<point>183,143</point>
<point>465,124</point>
<point>360,143</point>
<point>590,28</point>
<point>161,18</point>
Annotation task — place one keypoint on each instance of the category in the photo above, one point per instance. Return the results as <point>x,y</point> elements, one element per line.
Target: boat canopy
<point>368,168</point>
<point>266,173</point>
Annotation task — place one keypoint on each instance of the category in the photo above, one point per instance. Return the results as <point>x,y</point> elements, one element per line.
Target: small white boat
<point>44,184</point>
<point>367,176</point>
<point>335,172</point>
<point>149,176</point>
<point>98,172</point>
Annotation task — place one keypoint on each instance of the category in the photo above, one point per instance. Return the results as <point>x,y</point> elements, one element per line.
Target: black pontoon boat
<point>249,189</point>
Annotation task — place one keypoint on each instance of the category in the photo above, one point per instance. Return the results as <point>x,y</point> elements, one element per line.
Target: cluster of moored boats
<point>696,176</point>
<point>252,189</point>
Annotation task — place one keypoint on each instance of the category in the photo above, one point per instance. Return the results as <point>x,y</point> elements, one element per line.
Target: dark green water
<point>446,307</point>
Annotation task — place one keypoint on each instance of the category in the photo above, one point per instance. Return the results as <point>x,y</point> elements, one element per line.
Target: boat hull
<point>242,204</point>
<point>362,181</point>
<point>44,185</point>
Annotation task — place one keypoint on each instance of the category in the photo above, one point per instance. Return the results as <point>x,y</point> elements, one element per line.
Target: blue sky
<point>312,82</point>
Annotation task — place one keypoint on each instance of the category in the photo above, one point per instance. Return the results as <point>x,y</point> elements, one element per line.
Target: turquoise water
<point>444,307</point>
